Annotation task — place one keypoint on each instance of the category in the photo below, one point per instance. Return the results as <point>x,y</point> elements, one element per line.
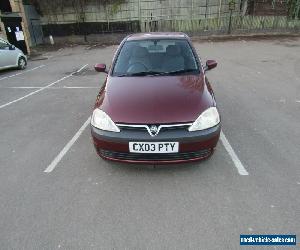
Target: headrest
<point>127,50</point>
<point>173,50</point>
<point>140,52</point>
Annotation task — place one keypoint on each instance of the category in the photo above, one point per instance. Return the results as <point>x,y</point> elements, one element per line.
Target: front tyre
<point>22,63</point>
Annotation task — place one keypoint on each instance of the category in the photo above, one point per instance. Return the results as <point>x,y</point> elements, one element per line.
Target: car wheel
<point>22,63</point>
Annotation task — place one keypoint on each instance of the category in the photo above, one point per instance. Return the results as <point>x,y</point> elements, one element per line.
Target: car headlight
<point>102,121</point>
<point>209,118</point>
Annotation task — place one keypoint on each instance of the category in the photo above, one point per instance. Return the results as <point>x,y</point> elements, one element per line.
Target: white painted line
<point>23,72</point>
<point>80,69</point>
<point>238,164</point>
<point>41,89</point>
<point>62,153</point>
<point>35,87</point>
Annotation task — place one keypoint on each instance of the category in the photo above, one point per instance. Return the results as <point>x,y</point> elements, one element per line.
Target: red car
<point>156,105</point>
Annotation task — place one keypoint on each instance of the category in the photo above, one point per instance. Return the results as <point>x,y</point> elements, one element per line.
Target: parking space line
<point>41,89</point>
<point>238,164</point>
<point>66,148</point>
<point>23,72</point>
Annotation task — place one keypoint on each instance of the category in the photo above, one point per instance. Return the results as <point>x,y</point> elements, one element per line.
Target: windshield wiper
<point>157,73</point>
<point>142,73</point>
<point>179,72</point>
<point>145,73</point>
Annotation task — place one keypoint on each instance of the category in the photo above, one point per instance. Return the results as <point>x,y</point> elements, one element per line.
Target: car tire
<point>22,63</point>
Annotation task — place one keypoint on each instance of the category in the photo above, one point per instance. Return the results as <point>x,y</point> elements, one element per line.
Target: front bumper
<point>193,146</point>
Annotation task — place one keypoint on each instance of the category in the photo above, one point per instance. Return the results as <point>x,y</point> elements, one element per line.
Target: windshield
<point>155,57</point>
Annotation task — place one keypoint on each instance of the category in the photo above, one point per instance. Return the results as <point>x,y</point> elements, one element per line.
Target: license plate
<point>153,147</point>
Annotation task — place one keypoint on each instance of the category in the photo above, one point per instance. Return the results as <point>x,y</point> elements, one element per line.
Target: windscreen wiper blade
<point>145,73</point>
<point>157,73</point>
<point>179,71</point>
<point>142,73</point>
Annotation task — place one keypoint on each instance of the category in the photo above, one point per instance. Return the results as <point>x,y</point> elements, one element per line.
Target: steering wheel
<point>137,67</point>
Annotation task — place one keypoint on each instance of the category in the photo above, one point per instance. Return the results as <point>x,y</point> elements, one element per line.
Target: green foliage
<point>294,9</point>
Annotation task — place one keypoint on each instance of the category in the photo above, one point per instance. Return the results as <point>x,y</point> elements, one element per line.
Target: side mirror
<point>210,64</point>
<point>12,47</point>
<point>100,67</point>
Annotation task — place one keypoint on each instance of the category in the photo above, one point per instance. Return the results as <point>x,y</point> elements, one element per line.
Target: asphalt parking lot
<point>56,193</point>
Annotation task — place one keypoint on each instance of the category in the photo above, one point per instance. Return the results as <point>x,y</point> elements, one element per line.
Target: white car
<point>11,57</point>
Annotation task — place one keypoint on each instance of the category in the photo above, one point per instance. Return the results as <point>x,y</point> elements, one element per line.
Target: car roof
<point>157,35</point>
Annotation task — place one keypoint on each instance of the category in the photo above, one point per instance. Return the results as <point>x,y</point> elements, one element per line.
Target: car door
<point>8,57</point>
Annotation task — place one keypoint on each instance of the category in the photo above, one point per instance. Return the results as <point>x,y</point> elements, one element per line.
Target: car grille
<point>128,127</point>
<point>147,128</point>
<point>155,157</point>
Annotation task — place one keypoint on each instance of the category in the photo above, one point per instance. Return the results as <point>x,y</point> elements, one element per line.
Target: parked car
<point>11,57</point>
<point>156,105</point>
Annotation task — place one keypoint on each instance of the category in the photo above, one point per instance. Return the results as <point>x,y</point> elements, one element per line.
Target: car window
<point>3,45</point>
<point>164,56</point>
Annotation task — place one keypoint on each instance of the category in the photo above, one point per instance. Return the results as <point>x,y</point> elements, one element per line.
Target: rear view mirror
<point>12,47</point>
<point>210,64</point>
<point>100,67</point>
